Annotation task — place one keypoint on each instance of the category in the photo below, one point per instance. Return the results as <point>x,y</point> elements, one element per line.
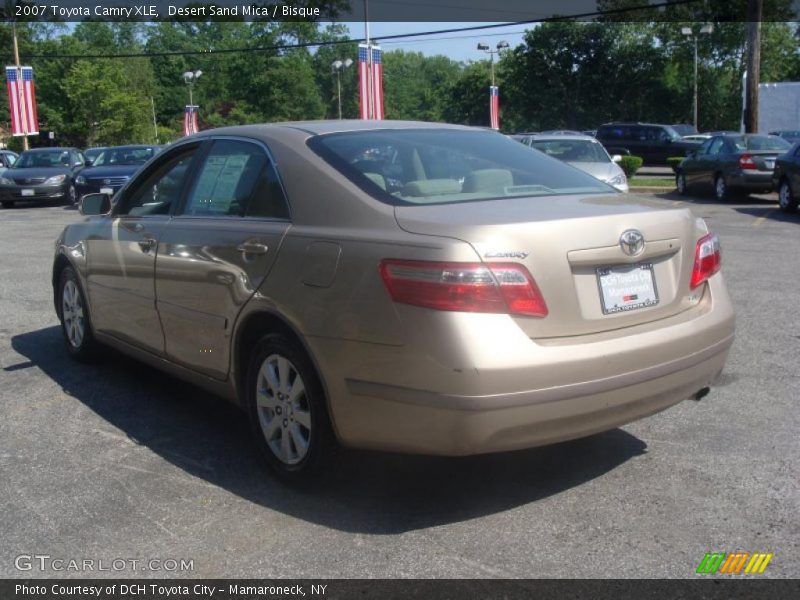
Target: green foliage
<point>630,164</point>
<point>674,161</point>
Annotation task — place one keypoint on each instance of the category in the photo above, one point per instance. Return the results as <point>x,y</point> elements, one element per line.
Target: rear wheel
<point>74,315</point>
<point>721,190</point>
<point>8,204</point>
<point>287,410</point>
<point>786,199</point>
<point>680,184</point>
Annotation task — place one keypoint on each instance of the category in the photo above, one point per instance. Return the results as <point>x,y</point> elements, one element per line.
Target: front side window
<point>237,179</point>
<point>159,190</point>
<point>424,166</point>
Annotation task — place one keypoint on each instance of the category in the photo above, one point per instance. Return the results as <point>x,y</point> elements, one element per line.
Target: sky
<point>459,46</point>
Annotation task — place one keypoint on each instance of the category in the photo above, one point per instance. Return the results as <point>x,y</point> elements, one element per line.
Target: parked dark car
<point>790,135</point>
<point>112,169</point>
<point>42,175</point>
<point>92,153</point>
<point>654,143</point>
<point>7,158</point>
<point>731,163</point>
<point>786,178</point>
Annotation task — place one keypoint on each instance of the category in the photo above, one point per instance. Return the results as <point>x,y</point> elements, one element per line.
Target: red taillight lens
<point>707,259</point>
<point>464,287</point>
<point>746,162</point>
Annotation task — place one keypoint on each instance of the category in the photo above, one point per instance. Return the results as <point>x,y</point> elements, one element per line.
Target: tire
<point>680,184</point>
<point>290,424</point>
<point>8,204</point>
<point>74,315</point>
<point>786,199</point>
<point>72,196</point>
<point>721,190</point>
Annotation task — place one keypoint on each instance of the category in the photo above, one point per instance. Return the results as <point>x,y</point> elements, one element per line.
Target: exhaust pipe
<point>701,393</point>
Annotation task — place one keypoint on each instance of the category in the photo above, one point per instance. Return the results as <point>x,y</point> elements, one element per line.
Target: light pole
<point>689,32</point>
<point>191,77</point>
<point>338,66</point>
<point>485,47</point>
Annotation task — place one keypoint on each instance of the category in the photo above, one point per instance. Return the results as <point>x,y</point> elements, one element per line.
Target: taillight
<point>707,259</point>
<point>464,287</point>
<point>746,162</point>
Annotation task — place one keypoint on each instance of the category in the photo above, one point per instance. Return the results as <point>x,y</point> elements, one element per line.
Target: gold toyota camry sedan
<point>402,286</point>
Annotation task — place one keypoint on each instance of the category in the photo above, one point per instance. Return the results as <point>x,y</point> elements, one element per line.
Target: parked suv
<point>654,143</point>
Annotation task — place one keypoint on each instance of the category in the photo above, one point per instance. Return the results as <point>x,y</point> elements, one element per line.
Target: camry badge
<point>632,242</point>
<point>506,254</point>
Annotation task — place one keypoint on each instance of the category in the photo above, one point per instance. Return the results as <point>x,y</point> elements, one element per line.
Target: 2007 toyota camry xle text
<point>401,286</point>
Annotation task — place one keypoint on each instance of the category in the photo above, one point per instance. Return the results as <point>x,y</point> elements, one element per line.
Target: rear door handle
<point>147,244</point>
<point>252,248</point>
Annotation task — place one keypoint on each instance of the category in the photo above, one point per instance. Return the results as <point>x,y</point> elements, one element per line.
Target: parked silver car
<point>402,286</point>
<point>583,152</point>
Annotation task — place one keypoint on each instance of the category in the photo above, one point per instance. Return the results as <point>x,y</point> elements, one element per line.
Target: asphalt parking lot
<point>117,461</point>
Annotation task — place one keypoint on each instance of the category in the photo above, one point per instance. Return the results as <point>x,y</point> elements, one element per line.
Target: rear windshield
<point>761,142</point>
<point>436,166</point>
<point>584,151</point>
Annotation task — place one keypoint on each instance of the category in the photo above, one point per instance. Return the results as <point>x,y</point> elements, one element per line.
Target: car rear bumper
<point>397,400</point>
<point>752,180</point>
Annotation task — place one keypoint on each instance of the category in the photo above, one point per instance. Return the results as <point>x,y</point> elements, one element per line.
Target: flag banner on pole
<point>190,120</point>
<point>364,86</point>
<point>377,83</point>
<point>22,101</point>
<point>494,107</point>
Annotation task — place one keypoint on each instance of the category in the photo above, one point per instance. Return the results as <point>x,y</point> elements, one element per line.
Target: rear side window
<point>435,166</point>
<point>237,179</point>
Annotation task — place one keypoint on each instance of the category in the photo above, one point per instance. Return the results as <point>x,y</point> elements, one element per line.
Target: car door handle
<point>252,248</point>
<point>147,244</point>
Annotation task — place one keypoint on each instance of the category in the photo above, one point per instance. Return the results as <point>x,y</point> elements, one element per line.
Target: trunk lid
<point>563,241</point>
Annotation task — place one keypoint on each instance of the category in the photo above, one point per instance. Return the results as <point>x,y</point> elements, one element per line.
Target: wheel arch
<point>60,263</point>
<point>251,328</point>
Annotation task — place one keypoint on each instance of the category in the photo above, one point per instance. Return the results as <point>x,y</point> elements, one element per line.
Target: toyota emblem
<point>632,242</point>
<point>106,181</point>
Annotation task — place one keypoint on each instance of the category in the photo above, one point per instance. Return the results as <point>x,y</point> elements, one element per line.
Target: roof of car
<point>330,126</point>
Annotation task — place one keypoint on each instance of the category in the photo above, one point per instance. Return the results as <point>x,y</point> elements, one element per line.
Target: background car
<point>653,143</point>
<point>402,286</point>
<point>112,168</point>
<point>790,135</point>
<point>92,153</point>
<point>583,152</point>
<point>43,174</point>
<point>786,179</point>
<point>684,129</point>
<point>7,159</point>
<point>731,163</point>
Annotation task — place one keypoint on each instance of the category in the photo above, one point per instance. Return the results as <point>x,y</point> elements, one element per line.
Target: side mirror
<point>87,162</point>
<point>617,158</point>
<point>95,204</point>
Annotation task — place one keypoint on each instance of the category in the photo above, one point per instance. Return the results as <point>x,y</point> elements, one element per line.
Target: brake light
<point>465,287</point>
<point>746,162</point>
<point>707,259</point>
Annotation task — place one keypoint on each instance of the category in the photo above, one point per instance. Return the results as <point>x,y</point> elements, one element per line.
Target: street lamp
<point>689,32</point>
<point>338,66</point>
<point>191,77</point>
<point>485,47</point>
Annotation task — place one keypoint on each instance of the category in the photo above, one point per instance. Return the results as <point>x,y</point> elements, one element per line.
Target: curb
<point>652,188</point>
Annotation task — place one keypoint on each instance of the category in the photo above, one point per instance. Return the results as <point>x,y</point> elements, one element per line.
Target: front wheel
<point>786,199</point>
<point>74,315</point>
<point>287,409</point>
<point>680,184</point>
<point>72,196</point>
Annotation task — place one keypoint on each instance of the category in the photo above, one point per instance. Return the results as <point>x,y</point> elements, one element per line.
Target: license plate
<point>108,191</point>
<point>626,287</point>
<point>28,192</point>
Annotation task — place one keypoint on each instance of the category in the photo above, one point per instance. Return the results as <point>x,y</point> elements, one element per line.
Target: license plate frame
<point>633,287</point>
<point>28,192</point>
<point>107,190</point>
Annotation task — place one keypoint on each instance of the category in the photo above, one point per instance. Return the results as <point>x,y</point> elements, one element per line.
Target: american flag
<point>22,101</point>
<point>494,107</point>
<point>190,120</point>
<point>370,82</point>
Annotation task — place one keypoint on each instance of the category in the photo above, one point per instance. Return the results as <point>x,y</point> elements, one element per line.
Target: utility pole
<point>19,80</point>
<point>754,12</point>
<point>155,123</point>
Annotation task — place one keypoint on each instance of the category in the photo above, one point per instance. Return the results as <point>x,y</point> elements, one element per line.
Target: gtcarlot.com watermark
<point>45,563</point>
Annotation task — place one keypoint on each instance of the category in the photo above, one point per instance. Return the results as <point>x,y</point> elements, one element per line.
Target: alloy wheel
<point>284,410</point>
<point>720,188</point>
<point>72,313</point>
<point>786,199</point>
